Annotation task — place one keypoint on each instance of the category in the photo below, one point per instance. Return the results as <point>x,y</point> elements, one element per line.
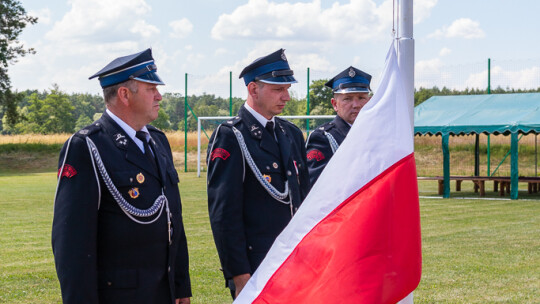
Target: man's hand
<point>240,281</point>
<point>183,301</point>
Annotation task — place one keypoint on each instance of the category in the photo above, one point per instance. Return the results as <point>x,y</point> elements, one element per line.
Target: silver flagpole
<point>406,65</point>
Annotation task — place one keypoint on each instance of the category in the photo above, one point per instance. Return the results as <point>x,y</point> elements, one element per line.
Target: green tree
<point>82,122</point>
<point>319,98</point>
<point>13,19</point>
<point>162,121</point>
<point>50,115</point>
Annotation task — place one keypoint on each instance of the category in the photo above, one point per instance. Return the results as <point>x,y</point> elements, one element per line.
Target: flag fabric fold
<point>356,237</point>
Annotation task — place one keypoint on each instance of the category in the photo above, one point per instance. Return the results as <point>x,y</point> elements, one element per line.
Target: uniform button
<point>109,283</point>
<point>295,208</point>
<point>250,248</point>
<point>169,269</point>
<point>275,165</point>
<point>267,167</point>
<point>289,173</point>
<point>164,187</point>
<point>131,179</point>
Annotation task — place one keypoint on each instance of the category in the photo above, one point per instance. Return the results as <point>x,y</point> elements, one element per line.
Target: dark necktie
<point>151,159</point>
<point>270,128</point>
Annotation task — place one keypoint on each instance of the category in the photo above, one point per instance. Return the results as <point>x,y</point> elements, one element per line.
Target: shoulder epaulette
<point>90,129</point>
<point>231,122</point>
<point>327,126</point>
<point>153,129</point>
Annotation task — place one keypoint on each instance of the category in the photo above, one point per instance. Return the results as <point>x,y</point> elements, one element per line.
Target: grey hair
<point>109,93</point>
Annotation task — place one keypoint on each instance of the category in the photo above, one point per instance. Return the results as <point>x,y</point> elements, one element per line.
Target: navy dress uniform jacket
<point>101,255</point>
<point>245,219</point>
<point>318,146</point>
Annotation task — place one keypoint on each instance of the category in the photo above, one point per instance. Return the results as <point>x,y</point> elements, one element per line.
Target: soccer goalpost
<point>223,118</point>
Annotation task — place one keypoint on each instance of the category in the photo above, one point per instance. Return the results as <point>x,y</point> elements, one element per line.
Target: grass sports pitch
<point>474,251</point>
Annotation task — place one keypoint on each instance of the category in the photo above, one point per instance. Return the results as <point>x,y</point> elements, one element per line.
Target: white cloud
<point>144,29</point>
<point>102,21</point>
<point>181,28</point>
<point>444,51</point>
<point>422,9</point>
<point>426,71</point>
<point>84,40</point>
<point>460,28</point>
<point>518,79</point>
<point>43,15</point>
<point>354,21</point>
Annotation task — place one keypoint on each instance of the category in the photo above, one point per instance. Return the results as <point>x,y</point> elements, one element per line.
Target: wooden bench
<point>501,184</point>
<point>479,182</point>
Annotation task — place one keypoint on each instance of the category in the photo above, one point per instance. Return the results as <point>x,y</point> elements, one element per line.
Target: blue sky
<point>209,38</point>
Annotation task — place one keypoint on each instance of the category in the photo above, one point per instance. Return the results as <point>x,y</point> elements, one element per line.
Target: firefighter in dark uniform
<point>257,174</point>
<point>117,234</point>
<point>351,92</point>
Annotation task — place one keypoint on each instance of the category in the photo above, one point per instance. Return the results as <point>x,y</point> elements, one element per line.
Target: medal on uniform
<point>134,192</point>
<point>140,178</point>
<point>268,178</point>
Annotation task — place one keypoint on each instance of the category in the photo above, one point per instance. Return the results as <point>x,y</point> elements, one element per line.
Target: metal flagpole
<point>406,64</point>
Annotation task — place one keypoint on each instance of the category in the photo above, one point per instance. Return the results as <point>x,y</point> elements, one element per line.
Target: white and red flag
<point>356,237</point>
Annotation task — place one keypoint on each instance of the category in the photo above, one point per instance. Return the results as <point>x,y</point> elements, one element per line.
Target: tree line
<point>54,111</point>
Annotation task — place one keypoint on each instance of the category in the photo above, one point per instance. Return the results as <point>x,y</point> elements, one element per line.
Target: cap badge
<point>352,73</point>
<point>283,55</point>
<point>268,178</point>
<point>140,178</point>
<point>134,192</point>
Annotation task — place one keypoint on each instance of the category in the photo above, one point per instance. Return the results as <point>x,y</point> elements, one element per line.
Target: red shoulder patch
<point>315,154</point>
<point>221,153</point>
<point>68,171</point>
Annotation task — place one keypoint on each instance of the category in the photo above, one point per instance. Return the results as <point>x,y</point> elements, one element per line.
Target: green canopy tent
<point>508,114</point>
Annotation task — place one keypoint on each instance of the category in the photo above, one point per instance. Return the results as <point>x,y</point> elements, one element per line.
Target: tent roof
<point>466,114</point>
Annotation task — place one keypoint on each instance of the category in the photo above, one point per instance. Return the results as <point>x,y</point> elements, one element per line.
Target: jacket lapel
<point>284,143</point>
<point>160,158</point>
<point>131,151</point>
<point>266,142</point>
<point>342,127</point>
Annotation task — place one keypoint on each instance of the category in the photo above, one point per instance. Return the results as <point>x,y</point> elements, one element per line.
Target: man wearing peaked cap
<point>351,90</point>
<point>117,234</point>
<point>257,174</point>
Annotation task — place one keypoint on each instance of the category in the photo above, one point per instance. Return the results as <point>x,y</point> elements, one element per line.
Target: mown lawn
<point>474,251</point>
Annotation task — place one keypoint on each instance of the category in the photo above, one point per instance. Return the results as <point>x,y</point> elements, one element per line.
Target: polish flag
<point>356,237</point>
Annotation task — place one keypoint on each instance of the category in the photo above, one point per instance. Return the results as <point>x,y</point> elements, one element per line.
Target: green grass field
<point>474,251</point>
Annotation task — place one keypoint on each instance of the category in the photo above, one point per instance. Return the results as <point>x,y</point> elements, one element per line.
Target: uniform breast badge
<point>267,177</point>
<point>140,178</point>
<point>134,192</point>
